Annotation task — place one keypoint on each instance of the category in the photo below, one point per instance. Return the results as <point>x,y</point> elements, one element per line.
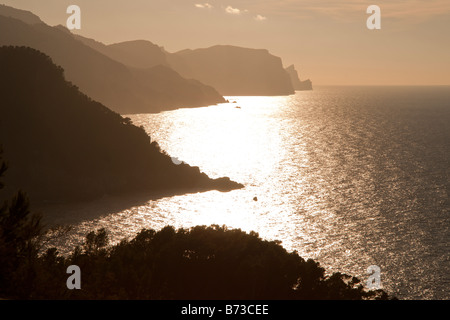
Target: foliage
<point>198,263</point>
<point>19,230</point>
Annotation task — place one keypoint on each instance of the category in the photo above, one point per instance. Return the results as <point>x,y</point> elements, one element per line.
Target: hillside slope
<point>234,70</point>
<point>99,76</point>
<point>62,146</point>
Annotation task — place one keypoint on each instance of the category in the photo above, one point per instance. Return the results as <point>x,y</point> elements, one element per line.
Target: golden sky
<point>327,40</point>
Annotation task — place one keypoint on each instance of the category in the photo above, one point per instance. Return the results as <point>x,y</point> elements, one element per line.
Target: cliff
<point>234,70</point>
<point>296,82</point>
<point>136,54</point>
<point>122,88</point>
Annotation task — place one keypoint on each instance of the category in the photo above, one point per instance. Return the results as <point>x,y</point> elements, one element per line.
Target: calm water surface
<point>349,176</point>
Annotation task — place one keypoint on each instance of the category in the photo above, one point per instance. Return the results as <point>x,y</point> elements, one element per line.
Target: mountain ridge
<point>119,75</point>
<point>63,146</point>
<point>101,77</point>
<point>234,70</point>
<point>23,15</point>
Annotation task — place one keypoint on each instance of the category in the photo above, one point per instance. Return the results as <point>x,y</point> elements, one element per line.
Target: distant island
<point>141,77</point>
<point>63,146</point>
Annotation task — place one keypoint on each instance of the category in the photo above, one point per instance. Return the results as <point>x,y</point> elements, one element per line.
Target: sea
<point>351,177</point>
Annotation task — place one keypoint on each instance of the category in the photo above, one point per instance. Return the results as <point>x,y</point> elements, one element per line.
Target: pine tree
<point>19,229</point>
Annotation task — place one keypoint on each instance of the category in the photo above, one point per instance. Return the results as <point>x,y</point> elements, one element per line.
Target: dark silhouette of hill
<point>234,70</point>
<point>296,82</point>
<point>22,15</point>
<point>103,78</point>
<point>61,145</point>
<point>231,70</point>
<point>148,64</point>
<point>137,54</point>
<point>197,263</point>
<point>183,92</point>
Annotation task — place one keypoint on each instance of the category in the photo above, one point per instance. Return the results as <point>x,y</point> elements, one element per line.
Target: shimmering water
<point>349,176</point>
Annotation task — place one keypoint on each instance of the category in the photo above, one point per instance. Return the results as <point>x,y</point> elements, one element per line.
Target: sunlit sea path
<point>349,176</point>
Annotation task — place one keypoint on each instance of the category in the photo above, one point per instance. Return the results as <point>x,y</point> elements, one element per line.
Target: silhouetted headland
<point>229,69</point>
<point>141,77</point>
<point>197,263</point>
<point>296,82</point>
<point>63,146</point>
<point>136,54</point>
<point>123,88</point>
<point>234,71</point>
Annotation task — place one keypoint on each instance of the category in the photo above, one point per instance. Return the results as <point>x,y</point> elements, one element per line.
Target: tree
<point>19,230</point>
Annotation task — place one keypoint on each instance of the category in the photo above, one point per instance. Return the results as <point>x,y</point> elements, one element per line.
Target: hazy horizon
<point>328,43</point>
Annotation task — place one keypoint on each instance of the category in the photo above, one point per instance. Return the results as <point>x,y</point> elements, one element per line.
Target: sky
<point>327,40</point>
